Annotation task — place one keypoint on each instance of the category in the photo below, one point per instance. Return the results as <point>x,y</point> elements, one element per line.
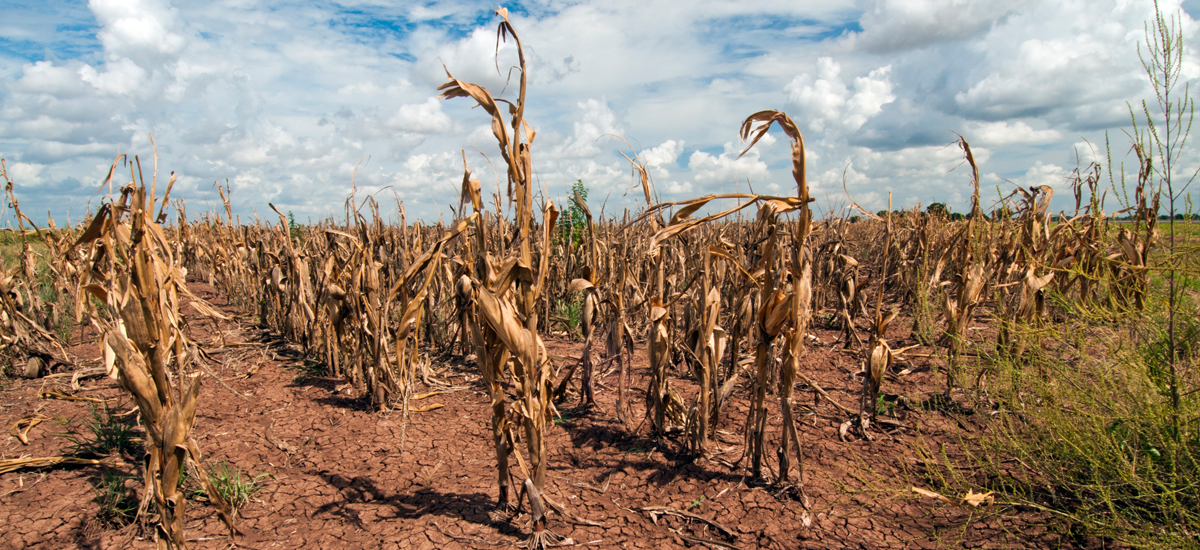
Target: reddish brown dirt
<point>343,476</point>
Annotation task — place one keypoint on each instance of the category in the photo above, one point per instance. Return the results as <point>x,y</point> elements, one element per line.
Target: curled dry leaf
<point>971,499</point>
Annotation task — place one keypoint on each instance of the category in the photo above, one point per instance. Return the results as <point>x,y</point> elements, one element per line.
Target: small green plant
<point>564,419</point>
<point>308,368</point>
<point>884,406</point>
<point>697,503</point>
<point>118,504</point>
<point>570,313</point>
<point>190,487</point>
<point>234,487</point>
<point>573,221</point>
<point>293,227</point>
<point>573,311</point>
<point>1159,347</point>
<point>106,433</point>
<point>637,449</point>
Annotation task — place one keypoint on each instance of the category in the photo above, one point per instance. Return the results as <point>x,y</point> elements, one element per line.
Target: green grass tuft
<point>106,432</point>
<point>235,487</point>
<point>118,503</point>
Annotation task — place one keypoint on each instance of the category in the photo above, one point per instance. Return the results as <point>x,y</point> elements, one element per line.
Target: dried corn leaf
<point>690,208</point>
<point>503,320</point>
<point>978,499</point>
<point>579,285</point>
<point>20,428</point>
<point>15,464</point>
<point>931,494</point>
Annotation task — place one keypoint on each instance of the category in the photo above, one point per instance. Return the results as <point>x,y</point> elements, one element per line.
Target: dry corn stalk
<point>658,395</point>
<point>136,273</point>
<point>27,335</point>
<point>973,254</point>
<point>508,303</point>
<point>771,317</point>
<point>879,359</point>
<point>491,355</point>
<point>662,403</point>
<point>848,297</point>
<point>708,350</point>
<point>794,307</point>
<point>620,338</point>
<point>801,276</point>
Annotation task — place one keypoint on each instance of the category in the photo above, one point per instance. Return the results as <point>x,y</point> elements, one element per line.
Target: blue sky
<point>294,102</point>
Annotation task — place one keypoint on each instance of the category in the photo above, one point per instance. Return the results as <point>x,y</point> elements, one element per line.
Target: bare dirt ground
<point>344,476</point>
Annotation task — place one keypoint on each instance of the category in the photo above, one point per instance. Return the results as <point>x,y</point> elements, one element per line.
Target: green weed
<point>1082,425</point>
<point>570,314</point>
<point>63,322</point>
<point>233,486</point>
<point>884,406</point>
<point>308,368</point>
<point>564,419</point>
<point>118,503</point>
<point>106,433</point>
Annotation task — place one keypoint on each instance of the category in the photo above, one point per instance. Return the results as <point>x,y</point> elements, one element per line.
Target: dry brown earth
<point>343,476</point>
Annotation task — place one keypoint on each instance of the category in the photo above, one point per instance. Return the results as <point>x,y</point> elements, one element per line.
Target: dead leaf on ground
<point>972,498</point>
<point>20,428</point>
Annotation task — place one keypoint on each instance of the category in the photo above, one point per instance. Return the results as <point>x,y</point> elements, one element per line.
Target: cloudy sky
<point>283,99</point>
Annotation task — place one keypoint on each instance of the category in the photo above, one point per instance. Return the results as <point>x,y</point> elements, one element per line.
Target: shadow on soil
<point>591,433</point>
<point>469,507</point>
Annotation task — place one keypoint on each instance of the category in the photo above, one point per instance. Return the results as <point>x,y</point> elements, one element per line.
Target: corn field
<point>718,293</point>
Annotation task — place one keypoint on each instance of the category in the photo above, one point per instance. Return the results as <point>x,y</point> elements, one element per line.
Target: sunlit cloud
<point>303,105</point>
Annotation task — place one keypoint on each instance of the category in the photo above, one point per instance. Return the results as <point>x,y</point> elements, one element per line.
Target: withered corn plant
<point>879,355</point>
<point>136,275</point>
<point>699,320</point>
<point>1129,256</point>
<point>920,265</point>
<point>663,404</point>
<point>620,337</point>
<point>786,306</point>
<point>1080,251</point>
<point>848,297</point>
<point>1024,256</point>
<point>971,261</point>
<point>508,284</point>
<point>772,315</point>
<point>799,311</point>
<point>708,347</point>
<point>29,337</point>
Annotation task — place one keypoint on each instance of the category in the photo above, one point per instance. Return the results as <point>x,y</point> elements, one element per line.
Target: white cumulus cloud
<point>595,119</point>
<point>142,30</point>
<point>723,172</point>
<point>1041,173</point>
<point>890,25</point>
<point>664,156</point>
<point>422,118</point>
<point>1007,133</point>
<point>286,101</point>
<point>826,103</point>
